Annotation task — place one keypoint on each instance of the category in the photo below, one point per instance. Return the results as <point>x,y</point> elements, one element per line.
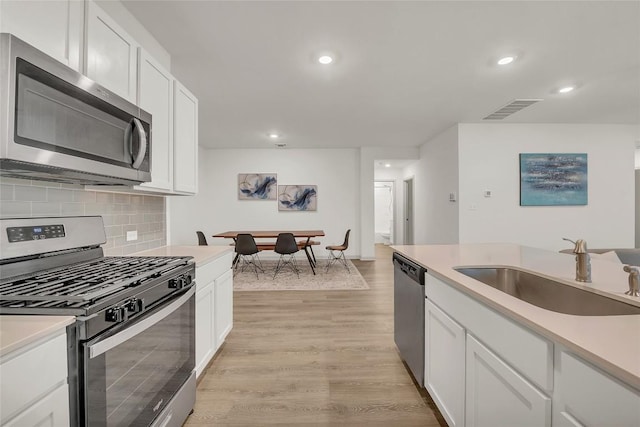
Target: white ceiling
<point>405,72</point>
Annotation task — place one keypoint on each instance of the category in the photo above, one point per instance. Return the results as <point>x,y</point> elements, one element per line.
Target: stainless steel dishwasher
<point>408,313</point>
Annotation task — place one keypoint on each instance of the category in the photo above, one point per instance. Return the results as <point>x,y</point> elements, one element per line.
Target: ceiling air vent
<point>512,107</point>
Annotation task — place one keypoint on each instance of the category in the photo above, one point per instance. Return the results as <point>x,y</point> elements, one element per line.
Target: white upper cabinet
<point>185,140</point>
<point>54,27</point>
<point>155,95</point>
<point>110,53</point>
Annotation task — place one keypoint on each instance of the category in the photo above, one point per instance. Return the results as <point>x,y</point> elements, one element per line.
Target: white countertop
<point>19,331</point>
<point>201,254</point>
<point>610,342</point>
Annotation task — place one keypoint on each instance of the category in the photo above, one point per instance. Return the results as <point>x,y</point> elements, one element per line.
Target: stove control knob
<point>177,283</point>
<point>188,279</point>
<point>135,305</point>
<point>116,314</point>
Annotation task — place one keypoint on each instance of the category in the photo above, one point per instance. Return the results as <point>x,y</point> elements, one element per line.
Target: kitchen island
<point>534,344</point>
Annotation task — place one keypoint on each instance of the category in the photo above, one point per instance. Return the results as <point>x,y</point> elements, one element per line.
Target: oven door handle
<point>107,344</point>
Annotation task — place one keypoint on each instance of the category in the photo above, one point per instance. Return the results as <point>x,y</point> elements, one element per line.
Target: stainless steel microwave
<point>58,125</point>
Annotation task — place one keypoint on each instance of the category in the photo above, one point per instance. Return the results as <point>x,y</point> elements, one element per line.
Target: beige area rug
<point>336,278</point>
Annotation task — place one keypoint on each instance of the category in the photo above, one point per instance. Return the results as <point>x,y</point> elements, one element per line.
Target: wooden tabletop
<point>270,233</point>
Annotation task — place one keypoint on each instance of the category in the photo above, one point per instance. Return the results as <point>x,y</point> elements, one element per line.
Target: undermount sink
<point>547,293</point>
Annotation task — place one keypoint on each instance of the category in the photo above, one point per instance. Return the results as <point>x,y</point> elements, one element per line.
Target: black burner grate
<point>84,282</point>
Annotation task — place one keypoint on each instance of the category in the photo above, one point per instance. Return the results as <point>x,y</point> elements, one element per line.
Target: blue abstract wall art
<point>257,186</point>
<point>297,197</point>
<point>553,179</point>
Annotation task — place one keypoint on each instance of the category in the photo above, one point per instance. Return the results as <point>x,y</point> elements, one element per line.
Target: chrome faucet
<point>583,260</point>
<point>634,280</point>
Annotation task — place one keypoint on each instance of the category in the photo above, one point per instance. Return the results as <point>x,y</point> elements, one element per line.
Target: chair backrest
<point>346,239</point>
<point>202,241</point>
<point>246,244</point>
<point>286,244</point>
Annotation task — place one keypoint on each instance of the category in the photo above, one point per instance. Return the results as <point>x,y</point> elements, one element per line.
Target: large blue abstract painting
<point>297,197</point>
<point>257,186</point>
<point>553,179</point>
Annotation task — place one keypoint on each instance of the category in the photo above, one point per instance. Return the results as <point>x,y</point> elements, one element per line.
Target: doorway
<point>384,202</point>
<point>408,211</point>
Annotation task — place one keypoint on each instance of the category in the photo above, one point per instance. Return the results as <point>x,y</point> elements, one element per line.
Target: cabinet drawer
<point>207,273</point>
<point>30,376</point>
<point>584,395</point>
<point>529,353</point>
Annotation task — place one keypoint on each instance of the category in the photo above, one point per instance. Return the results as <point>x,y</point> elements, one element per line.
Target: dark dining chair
<point>287,247</point>
<point>336,253</point>
<point>247,253</point>
<point>202,241</point>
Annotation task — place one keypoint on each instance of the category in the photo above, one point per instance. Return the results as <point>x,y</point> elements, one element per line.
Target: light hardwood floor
<point>314,358</point>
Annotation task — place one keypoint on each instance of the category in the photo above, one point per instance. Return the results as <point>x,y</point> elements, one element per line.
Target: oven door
<point>131,374</point>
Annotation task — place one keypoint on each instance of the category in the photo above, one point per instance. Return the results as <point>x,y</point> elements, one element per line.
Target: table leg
<point>311,263</point>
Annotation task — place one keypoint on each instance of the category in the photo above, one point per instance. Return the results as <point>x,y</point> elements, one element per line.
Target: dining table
<point>306,244</point>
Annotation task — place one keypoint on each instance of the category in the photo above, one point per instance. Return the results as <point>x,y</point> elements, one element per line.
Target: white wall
<point>489,161</point>
<point>216,207</point>
<point>435,176</point>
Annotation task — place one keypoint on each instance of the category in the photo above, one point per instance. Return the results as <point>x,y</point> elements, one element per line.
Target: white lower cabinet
<point>497,395</point>
<point>510,375</point>
<point>445,363</point>
<point>205,325</point>
<point>223,306</point>
<point>51,411</point>
<point>586,396</point>
<point>33,390</point>
<point>214,308</point>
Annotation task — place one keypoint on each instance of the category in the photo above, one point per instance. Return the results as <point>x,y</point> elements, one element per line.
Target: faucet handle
<point>634,280</point>
<point>580,245</point>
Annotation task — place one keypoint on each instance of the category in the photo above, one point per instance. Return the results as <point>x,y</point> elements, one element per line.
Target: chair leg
<point>333,258</point>
<point>282,262</point>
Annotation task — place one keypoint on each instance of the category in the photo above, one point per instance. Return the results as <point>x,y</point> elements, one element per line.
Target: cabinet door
<point>110,54</point>
<point>224,306</point>
<point>185,140</point>
<point>54,26</point>
<point>51,411</point>
<point>445,363</point>
<point>496,395</point>
<point>584,395</point>
<point>155,95</point>
<point>205,326</point>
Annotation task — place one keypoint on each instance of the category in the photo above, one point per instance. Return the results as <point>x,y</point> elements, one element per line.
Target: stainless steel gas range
<point>132,347</point>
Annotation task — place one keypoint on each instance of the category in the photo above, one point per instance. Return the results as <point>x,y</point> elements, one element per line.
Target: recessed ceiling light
<point>506,60</point>
<point>274,135</point>
<point>387,165</point>
<point>566,89</point>
<point>325,59</point>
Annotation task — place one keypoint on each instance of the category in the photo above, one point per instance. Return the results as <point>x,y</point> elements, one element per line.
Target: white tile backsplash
<point>120,212</point>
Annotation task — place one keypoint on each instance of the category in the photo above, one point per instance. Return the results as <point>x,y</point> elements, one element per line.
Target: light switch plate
<point>132,235</point>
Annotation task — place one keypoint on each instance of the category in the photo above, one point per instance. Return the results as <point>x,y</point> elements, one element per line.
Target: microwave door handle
<point>142,148</point>
<point>107,344</point>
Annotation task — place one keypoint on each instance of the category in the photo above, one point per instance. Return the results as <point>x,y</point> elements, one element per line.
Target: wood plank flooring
<point>314,358</point>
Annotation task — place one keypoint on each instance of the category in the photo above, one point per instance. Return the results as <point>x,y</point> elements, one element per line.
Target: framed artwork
<point>257,186</point>
<point>297,197</point>
<point>553,179</point>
